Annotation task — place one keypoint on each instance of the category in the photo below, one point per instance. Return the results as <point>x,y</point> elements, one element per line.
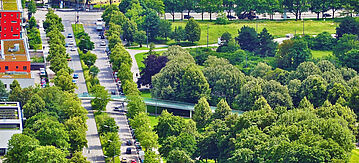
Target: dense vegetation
<point>33,33</point>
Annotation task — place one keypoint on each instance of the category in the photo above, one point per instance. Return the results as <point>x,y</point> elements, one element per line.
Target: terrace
<point>9,5</point>
<point>14,50</point>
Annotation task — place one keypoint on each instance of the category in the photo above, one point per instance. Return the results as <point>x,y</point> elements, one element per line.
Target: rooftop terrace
<point>10,5</point>
<point>14,50</point>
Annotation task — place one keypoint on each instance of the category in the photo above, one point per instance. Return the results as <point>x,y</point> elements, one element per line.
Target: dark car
<point>102,36</point>
<point>129,142</point>
<point>231,17</point>
<point>113,92</point>
<point>187,16</point>
<point>326,15</point>
<point>76,76</point>
<point>128,150</point>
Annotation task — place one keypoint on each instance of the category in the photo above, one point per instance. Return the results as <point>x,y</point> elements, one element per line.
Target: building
<point>10,123</point>
<point>15,62</point>
<point>10,19</point>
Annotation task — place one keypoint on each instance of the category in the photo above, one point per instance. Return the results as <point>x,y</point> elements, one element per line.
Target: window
<point>13,21</point>
<point>5,86</point>
<point>25,67</point>
<point>0,15</point>
<point>12,29</point>
<point>6,67</point>
<point>4,35</point>
<point>17,15</point>
<point>4,28</point>
<point>4,21</point>
<point>17,67</point>
<point>12,15</point>
<point>15,35</point>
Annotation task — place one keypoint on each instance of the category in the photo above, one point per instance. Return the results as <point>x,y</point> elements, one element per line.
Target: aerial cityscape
<point>179,81</point>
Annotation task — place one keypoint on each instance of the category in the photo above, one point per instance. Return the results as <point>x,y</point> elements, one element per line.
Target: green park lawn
<point>140,57</point>
<point>320,54</point>
<point>355,156</point>
<point>276,28</point>
<point>146,94</point>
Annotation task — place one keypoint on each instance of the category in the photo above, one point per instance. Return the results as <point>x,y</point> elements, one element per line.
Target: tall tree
<point>247,38</point>
<point>222,111</point>
<point>348,26</point>
<point>151,23</point>
<point>297,7</point>
<point>153,65</point>
<point>193,31</point>
<point>172,6</point>
<point>101,98</point>
<point>64,80</point>
<point>35,105</point>
<point>292,52</point>
<point>19,146</point>
<point>45,154</point>
<point>267,47</point>
<point>202,113</point>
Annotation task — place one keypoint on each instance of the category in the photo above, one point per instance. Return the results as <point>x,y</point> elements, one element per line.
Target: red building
<point>10,19</point>
<point>14,55</point>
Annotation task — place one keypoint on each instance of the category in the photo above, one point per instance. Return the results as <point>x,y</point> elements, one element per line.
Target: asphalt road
<point>93,152</point>
<point>106,79</point>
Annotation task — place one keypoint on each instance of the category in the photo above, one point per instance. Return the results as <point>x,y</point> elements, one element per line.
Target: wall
<point>12,66</point>
<point>24,83</point>
<point>6,24</point>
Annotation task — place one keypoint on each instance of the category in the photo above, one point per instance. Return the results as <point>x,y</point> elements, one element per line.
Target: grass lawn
<point>144,48</point>
<point>276,28</point>
<point>355,156</point>
<point>319,54</point>
<point>146,94</point>
<point>140,57</point>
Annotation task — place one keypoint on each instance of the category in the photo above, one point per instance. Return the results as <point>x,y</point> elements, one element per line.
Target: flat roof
<point>6,136</point>
<point>15,76</point>
<point>14,50</point>
<point>10,5</point>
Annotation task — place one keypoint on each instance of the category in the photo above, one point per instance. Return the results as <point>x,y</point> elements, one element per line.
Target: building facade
<point>15,62</point>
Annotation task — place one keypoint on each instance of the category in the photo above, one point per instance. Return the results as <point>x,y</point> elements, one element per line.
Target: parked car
<point>102,36</point>
<point>133,161</point>
<point>69,59</point>
<point>74,81</point>
<point>67,45</point>
<point>113,92</point>
<point>69,35</point>
<point>76,76</point>
<point>71,42</point>
<point>103,43</point>
<point>231,17</point>
<point>72,49</point>
<point>128,150</point>
<point>187,16</point>
<point>325,15</point>
<point>116,108</point>
<point>123,160</point>
<point>42,72</point>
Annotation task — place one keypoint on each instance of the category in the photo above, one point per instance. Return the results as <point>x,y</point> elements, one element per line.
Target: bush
<point>324,41</point>
<point>222,19</point>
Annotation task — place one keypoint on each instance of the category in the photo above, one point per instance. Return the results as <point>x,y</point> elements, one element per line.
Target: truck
<point>99,26</point>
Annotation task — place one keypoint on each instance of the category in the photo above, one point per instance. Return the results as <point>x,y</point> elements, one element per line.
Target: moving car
<point>187,16</point>
<point>123,160</point>
<point>72,49</point>
<point>103,43</point>
<point>69,35</point>
<point>74,81</point>
<point>128,150</point>
<point>76,76</point>
<point>71,42</point>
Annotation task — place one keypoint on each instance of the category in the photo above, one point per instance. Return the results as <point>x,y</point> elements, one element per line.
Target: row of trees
<point>122,62</point>
<point>55,129</point>
<point>33,33</point>
<point>270,7</point>
<point>302,134</point>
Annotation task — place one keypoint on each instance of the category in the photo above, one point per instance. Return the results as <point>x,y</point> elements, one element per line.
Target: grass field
<point>276,28</point>
<point>140,57</point>
<point>146,93</point>
<point>319,54</point>
<point>355,156</point>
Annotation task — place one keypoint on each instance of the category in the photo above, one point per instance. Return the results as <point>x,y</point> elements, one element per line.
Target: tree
<point>111,144</point>
<point>165,28</point>
<point>130,88</point>
<point>351,59</point>
<point>151,24</point>
<point>266,44</point>
<point>193,30</point>
<point>224,79</point>
<point>261,70</point>
<point>348,26</point>
<point>179,156</point>
<point>14,84</point>
<point>35,105</point>
<point>45,154</point>
<point>101,98</point>
<point>135,105</point>
<point>151,157</point>
<point>314,88</point>
<point>86,43</point>
<point>172,6</point>
<point>168,125</point>
<point>335,5</point>
<point>51,132</point>
<point>77,157</point>
<point>213,6</point>
<point>94,71</point>
<point>64,80</point>
<point>297,7</point>
<point>338,91</point>
<point>135,13</point>
<point>19,146</point>
<point>76,128</point>
<point>179,34</point>
<point>153,65</point>
<point>140,37</point>
<point>247,39</point>
<point>202,113</point>
<point>345,44</point>
<point>249,93</point>
<point>323,41</point>
<point>148,139</point>
<point>31,7</point>
<point>89,58</point>
<point>276,94</point>
<point>129,30</point>
<point>222,111</point>
<point>306,69</point>
<point>319,6</point>
<point>291,53</point>
<point>32,23</point>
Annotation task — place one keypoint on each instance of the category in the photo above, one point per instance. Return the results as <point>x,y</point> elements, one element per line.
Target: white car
<point>103,43</point>
<point>72,49</point>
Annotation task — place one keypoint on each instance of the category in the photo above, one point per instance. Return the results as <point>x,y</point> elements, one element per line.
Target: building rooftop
<point>10,121</point>
<point>10,5</point>
<point>14,50</point>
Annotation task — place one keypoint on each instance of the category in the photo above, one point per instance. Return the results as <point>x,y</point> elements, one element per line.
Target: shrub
<point>222,19</point>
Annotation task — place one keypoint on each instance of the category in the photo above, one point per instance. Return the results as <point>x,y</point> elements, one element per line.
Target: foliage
<point>222,19</point>
<point>323,41</point>
<point>44,154</point>
<point>291,53</point>
<point>140,37</point>
<point>135,105</point>
<point>101,98</point>
<point>266,44</point>
<point>153,65</point>
<point>19,147</point>
<point>202,113</point>
<point>247,38</point>
<point>193,30</point>
<point>348,26</point>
